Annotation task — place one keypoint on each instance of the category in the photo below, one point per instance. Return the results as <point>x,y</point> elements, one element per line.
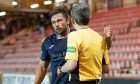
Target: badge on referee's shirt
<point>71,49</point>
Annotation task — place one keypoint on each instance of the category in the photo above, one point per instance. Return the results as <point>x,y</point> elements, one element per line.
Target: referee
<point>87,54</point>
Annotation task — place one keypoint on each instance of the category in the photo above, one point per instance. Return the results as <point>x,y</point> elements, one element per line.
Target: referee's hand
<point>108,31</point>
<point>59,73</point>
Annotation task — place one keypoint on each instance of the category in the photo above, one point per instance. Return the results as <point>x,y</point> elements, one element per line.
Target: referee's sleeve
<point>72,48</point>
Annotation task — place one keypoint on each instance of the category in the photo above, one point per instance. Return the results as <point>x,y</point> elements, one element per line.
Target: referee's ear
<point>68,21</point>
<point>72,20</point>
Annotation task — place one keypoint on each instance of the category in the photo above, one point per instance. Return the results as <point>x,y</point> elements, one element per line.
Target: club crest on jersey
<point>71,49</point>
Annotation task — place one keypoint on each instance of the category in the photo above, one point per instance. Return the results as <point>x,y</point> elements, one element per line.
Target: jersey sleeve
<point>105,59</point>
<point>72,48</point>
<point>44,53</point>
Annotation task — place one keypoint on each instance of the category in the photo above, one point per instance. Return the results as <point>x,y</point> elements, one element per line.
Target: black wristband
<point>60,69</point>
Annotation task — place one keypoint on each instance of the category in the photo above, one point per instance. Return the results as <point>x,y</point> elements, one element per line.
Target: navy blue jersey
<point>54,50</point>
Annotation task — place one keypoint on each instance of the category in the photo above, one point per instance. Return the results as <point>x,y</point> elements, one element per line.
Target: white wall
<point>22,79</point>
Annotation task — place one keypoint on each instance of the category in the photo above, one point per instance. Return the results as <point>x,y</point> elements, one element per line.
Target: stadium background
<point>22,28</point>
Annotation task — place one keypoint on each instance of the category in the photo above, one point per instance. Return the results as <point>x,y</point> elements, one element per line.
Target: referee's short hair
<point>81,13</point>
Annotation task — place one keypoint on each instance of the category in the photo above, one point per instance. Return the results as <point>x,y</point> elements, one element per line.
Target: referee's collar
<point>82,27</point>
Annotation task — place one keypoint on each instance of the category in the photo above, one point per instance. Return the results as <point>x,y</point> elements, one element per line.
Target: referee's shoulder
<point>72,33</point>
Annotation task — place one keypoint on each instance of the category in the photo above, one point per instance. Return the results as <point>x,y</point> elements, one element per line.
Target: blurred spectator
<point>14,29</point>
<point>48,30</point>
<point>41,23</point>
<point>138,23</point>
<point>2,30</point>
<point>127,29</point>
<point>1,34</point>
<point>12,40</point>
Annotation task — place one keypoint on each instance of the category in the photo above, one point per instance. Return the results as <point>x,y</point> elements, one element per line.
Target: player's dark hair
<point>59,10</point>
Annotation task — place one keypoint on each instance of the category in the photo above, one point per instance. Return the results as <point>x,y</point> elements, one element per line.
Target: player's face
<point>59,23</point>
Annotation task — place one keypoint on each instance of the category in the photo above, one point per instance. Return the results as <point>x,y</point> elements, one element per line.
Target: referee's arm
<point>105,69</point>
<point>108,42</point>
<point>108,36</point>
<point>105,63</point>
<point>105,66</point>
<point>69,66</point>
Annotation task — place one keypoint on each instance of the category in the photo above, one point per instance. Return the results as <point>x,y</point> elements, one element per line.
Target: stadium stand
<point>124,54</point>
<point>22,57</point>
